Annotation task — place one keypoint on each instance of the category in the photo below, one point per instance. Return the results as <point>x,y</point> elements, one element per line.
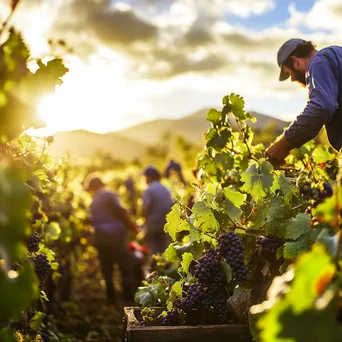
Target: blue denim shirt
<point>157,202</point>
<point>324,106</point>
<point>102,210</point>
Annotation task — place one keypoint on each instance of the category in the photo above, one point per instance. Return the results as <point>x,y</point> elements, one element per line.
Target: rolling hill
<point>85,144</point>
<point>192,127</point>
<point>132,142</point>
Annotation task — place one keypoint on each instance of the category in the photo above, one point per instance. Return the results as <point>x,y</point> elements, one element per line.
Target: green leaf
<point>293,248</point>
<point>293,312</point>
<point>52,231</point>
<point>36,320</point>
<point>174,221</point>
<point>238,105</point>
<point>225,161</point>
<point>309,269</point>
<point>177,288</point>
<point>170,253</point>
<point>25,287</point>
<point>298,226</point>
<point>186,261</point>
<point>8,335</point>
<point>228,272</point>
<point>236,197</point>
<point>204,218</point>
<point>234,200</point>
<point>258,179</point>
<point>207,164</point>
<point>214,116</point>
<point>321,154</point>
<point>286,187</point>
<point>217,139</point>
<point>330,242</point>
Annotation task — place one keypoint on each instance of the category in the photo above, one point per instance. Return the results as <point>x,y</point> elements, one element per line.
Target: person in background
<point>157,202</point>
<point>321,72</point>
<point>111,224</point>
<point>174,167</point>
<point>131,194</point>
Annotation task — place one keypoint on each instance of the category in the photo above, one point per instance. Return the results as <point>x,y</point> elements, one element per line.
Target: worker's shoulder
<point>333,51</point>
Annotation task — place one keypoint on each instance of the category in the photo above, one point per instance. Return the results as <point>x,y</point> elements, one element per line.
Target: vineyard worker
<point>157,202</point>
<point>321,72</point>
<point>111,223</point>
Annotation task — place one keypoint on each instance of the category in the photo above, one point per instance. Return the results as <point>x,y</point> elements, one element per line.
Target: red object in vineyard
<point>139,251</point>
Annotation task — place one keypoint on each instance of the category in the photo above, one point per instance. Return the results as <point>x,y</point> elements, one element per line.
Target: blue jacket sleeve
<point>322,103</point>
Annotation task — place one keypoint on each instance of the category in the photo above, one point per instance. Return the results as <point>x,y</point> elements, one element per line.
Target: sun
<point>95,100</point>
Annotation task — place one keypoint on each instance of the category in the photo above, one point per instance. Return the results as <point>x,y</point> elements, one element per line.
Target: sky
<point>140,60</point>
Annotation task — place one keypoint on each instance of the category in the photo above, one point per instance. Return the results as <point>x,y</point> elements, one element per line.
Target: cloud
<point>324,14</point>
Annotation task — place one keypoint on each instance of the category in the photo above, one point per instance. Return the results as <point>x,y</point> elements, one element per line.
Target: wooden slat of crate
<point>200,333</point>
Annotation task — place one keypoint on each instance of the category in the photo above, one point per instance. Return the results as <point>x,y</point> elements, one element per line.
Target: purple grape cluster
<point>202,305</point>
<point>315,193</point>
<point>209,272</point>
<point>32,242</point>
<point>269,245</point>
<point>231,248</point>
<point>173,317</point>
<point>42,266</point>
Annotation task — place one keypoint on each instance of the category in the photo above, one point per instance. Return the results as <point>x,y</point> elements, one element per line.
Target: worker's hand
<point>277,152</point>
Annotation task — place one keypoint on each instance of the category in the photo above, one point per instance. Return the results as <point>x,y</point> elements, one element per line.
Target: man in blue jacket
<point>321,72</point>
<point>157,203</point>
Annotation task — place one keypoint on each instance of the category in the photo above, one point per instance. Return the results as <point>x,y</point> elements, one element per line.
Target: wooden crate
<point>199,333</point>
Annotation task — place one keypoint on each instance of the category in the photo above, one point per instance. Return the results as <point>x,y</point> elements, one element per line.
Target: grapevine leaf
<point>36,320</point>
<point>194,233</point>
<point>298,226</point>
<point>259,216</point>
<point>207,164</point>
<point>214,116</point>
<point>177,288</point>
<point>281,316</point>
<point>171,253</point>
<point>330,242</point>
<point>234,200</point>
<point>8,335</point>
<point>258,180</point>
<point>328,210</point>
<point>216,139</point>
<point>251,117</point>
<point>286,187</point>
<point>237,198</point>
<point>186,261</point>
<point>310,267</point>
<point>277,219</point>
<point>238,105</point>
<point>204,218</point>
<point>293,248</point>
<point>174,221</point>
<point>228,272</point>
<point>224,161</point>
<point>322,155</point>
<point>52,231</point>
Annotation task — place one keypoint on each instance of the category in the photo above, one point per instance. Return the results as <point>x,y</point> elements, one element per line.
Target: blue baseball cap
<point>283,54</point>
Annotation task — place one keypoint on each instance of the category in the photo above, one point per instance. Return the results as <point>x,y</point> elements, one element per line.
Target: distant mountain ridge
<point>132,142</point>
<point>192,127</point>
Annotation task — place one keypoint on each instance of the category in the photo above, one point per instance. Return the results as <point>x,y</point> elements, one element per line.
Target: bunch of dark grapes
<point>202,305</point>
<point>173,317</point>
<point>209,272</point>
<point>315,193</point>
<point>269,246</point>
<point>32,242</point>
<point>231,248</point>
<point>332,169</point>
<point>42,266</point>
